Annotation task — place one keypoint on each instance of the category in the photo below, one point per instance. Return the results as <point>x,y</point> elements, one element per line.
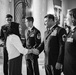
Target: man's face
<point>20,29</point>
<point>9,20</point>
<point>48,22</point>
<point>68,19</point>
<point>28,23</point>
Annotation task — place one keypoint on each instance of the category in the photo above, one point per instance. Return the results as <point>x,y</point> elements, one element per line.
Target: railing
<point>19,9</point>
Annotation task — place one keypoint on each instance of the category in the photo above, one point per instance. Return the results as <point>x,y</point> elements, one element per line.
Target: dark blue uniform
<point>33,39</point>
<point>70,54</point>
<point>4,32</point>
<point>53,46</point>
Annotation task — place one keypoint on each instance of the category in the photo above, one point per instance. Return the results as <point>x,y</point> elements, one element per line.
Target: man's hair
<point>50,16</point>
<point>72,12</point>
<point>30,19</point>
<point>9,16</point>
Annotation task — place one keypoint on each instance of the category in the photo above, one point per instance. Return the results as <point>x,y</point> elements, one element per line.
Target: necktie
<point>28,32</point>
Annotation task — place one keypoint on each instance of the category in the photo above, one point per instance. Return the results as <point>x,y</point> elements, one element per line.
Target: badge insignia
<point>54,33</point>
<point>70,39</point>
<point>64,37</point>
<point>32,35</point>
<point>38,36</point>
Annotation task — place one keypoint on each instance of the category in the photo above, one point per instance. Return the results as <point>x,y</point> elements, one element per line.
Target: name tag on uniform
<point>54,33</point>
<point>70,39</point>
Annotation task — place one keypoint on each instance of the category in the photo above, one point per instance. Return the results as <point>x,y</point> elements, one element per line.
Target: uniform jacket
<point>70,54</point>
<point>53,45</point>
<point>32,40</point>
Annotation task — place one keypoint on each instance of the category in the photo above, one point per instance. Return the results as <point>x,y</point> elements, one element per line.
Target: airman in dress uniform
<point>3,36</point>
<point>32,40</point>
<point>4,30</point>
<point>53,46</point>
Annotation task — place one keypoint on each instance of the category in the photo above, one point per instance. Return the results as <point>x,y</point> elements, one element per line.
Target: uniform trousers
<point>32,67</point>
<point>15,66</point>
<point>51,70</point>
<point>5,61</point>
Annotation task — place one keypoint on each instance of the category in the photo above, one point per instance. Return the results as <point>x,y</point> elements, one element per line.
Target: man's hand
<point>30,51</point>
<point>35,51</point>
<point>58,66</point>
<point>1,43</point>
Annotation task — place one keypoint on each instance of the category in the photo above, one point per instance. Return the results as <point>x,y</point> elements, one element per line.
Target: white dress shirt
<point>14,46</point>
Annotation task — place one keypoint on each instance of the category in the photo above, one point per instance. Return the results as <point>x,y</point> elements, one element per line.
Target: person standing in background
<point>32,40</point>
<point>3,36</point>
